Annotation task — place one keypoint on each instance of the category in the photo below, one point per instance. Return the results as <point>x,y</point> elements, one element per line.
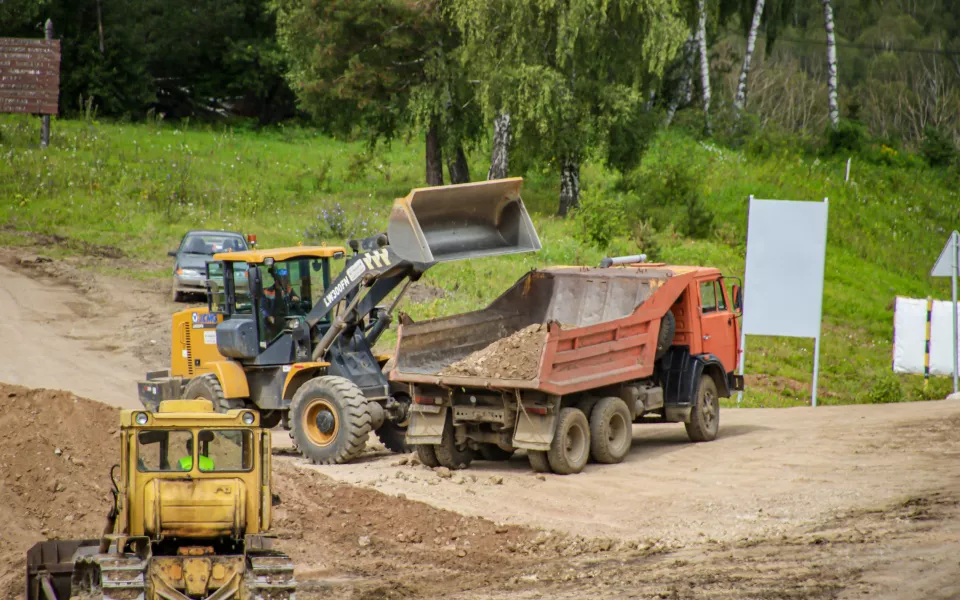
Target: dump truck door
<point>718,324</point>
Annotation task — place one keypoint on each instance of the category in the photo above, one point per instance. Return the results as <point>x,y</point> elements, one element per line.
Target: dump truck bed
<point>559,330</point>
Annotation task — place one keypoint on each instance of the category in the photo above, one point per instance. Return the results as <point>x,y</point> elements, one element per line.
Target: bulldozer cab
<point>188,472</point>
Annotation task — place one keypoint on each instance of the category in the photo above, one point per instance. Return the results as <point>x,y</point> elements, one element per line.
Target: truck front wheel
<point>570,448</point>
<point>611,430</point>
<point>329,420</point>
<point>705,414</point>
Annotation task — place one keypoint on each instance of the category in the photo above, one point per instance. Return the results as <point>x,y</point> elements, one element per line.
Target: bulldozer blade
<point>454,222</point>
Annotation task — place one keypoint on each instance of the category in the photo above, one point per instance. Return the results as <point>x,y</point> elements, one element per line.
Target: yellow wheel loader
<point>191,506</point>
<point>283,335</point>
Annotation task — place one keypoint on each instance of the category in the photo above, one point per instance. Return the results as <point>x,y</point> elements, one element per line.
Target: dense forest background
<point>562,82</point>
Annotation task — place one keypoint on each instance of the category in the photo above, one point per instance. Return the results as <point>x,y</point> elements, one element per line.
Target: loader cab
<point>272,297</point>
<point>188,472</point>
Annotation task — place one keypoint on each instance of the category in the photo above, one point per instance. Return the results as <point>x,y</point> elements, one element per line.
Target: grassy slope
<point>138,187</point>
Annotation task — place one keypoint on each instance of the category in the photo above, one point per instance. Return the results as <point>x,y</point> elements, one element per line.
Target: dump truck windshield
<point>287,290</point>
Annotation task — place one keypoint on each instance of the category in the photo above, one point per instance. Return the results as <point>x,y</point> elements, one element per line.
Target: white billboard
<point>910,336</point>
<point>783,281</point>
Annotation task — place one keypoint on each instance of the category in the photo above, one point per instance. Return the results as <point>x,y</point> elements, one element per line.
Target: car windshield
<point>211,243</point>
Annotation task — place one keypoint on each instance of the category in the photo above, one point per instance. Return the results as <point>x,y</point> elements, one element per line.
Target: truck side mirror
<point>737,298</point>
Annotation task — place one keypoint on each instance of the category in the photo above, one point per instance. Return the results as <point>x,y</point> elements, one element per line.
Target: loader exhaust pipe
<point>455,222</point>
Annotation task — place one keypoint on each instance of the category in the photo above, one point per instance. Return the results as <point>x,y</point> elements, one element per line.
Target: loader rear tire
<point>705,414</point>
<point>570,448</point>
<point>668,328</point>
<point>207,387</point>
<point>538,461</point>
<point>611,431</point>
<point>329,420</point>
<point>427,455</point>
<point>448,452</point>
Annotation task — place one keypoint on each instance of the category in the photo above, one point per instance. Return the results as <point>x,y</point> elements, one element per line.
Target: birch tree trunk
<point>100,28</point>
<point>740,101</point>
<point>684,90</point>
<point>500,158</point>
<point>569,185</point>
<point>704,63</point>
<point>831,65</point>
<point>434,156</point>
<point>458,167</point>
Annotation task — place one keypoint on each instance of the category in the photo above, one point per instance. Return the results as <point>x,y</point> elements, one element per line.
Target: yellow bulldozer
<point>191,507</point>
<point>283,335</point>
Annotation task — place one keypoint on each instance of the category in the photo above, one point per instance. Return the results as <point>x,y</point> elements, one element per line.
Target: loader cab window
<point>161,450</point>
<point>287,290</point>
<point>218,292</point>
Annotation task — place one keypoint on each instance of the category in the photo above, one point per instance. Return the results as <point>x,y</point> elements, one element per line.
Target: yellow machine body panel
<point>191,473</point>
<point>194,344</point>
<point>257,256</point>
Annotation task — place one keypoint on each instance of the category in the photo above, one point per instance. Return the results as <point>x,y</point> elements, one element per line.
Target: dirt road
<point>832,502</point>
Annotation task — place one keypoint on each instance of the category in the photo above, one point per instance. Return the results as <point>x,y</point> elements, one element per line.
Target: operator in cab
<point>186,463</point>
<point>277,301</point>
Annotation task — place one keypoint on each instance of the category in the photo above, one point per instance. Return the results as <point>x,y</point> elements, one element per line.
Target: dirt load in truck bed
<point>516,356</point>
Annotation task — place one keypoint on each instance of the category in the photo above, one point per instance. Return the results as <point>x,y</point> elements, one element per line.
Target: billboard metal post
<point>45,119</point>
<point>948,265</point>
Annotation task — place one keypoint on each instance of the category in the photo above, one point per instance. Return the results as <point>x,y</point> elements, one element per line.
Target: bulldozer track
<point>111,577</point>
<point>270,577</point>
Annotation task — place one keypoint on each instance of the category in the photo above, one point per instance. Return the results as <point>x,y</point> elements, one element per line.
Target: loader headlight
<point>141,418</point>
<point>247,418</point>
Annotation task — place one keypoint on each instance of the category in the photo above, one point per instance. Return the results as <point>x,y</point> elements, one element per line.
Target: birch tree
<point>740,100</point>
<point>500,157</point>
<point>834,107</point>
<point>704,62</point>
<point>566,73</point>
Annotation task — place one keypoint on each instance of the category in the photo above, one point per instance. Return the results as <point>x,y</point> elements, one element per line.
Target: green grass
<point>139,187</point>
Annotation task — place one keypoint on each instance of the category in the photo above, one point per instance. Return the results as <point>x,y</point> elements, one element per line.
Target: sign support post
<point>45,119</point>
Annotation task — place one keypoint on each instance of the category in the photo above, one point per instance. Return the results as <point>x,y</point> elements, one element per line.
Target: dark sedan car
<point>196,248</point>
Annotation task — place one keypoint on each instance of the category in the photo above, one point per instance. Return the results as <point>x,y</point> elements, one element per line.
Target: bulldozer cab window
<point>162,450</point>
<point>287,290</point>
<point>226,450</point>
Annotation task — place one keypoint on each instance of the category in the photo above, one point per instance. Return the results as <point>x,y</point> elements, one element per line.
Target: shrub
<point>849,136</point>
<point>600,219</point>
<point>671,193</point>
<point>937,147</point>
<point>885,389</point>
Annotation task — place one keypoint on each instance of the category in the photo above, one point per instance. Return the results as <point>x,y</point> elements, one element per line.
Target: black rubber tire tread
<point>538,461</point>
<point>586,406</point>
<point>494,452</point>
<point>270,418</point>
<point>208,386</point>
<point>352,413</point>
<point>701,428</point>
<point>393,436</point>
<point>175,295</point>
<point>604,412</point>
<point>668,328</point>
<point>560,462</point>
<point>448,454</point>
<point>428,455</point>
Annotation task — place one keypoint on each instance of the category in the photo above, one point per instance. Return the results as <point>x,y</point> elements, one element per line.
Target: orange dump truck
<point>565,361</point>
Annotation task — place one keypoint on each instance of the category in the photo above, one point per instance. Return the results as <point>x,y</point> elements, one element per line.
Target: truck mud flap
<point>426,424</point>
<point>534,432</point>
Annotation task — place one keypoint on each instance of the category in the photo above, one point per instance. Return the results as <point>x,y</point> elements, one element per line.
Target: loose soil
<point>516,356</point>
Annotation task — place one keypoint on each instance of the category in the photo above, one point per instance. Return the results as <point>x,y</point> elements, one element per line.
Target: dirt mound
<point>54,472</point>
<point>514,357</point>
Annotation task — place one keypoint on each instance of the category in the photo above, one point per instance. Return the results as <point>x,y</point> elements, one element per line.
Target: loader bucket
<point>453,222</point>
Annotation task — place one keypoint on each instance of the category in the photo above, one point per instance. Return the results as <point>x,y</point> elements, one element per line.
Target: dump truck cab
<point>192,500</point>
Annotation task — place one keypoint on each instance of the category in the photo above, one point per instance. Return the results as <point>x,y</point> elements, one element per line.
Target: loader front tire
<point>705,414</point>
<point>570,447</point>
<point>207,387</point>
<point>329,420</point>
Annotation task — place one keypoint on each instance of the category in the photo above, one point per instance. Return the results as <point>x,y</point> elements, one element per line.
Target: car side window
<point>708,297</point>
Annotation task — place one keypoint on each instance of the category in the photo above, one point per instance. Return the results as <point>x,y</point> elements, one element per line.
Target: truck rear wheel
<point>427,455</point>
<point>705,414</point>
<point>538,461</point>
<point>451,455</point>
<point>611,430</point>
<point>207,387</point>
<point>570,448</point>
<point>329,420</point>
